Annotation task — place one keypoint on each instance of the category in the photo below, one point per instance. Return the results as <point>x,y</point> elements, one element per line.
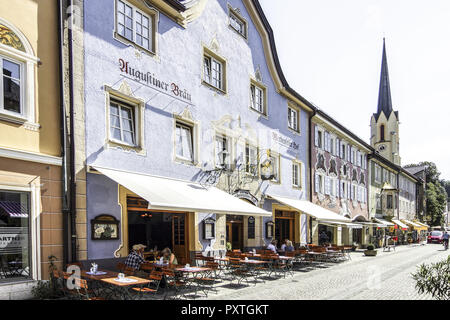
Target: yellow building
<point>30,147</point>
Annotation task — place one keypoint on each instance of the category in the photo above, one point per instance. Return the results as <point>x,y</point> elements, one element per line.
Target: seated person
<point>136,257</point>
<point>168,256</point>
<point>283,246</point>
<point>273,246</point>
<point>289,247</point>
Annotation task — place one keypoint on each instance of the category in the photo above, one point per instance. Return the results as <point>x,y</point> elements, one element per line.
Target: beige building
<point>31,219</point>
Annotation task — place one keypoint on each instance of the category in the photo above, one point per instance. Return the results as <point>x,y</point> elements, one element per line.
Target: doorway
<point>284,226</point>
<point>235,232</point>
<point>157,229</point>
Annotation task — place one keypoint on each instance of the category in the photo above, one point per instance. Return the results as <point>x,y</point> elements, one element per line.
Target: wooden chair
<point>152,287</point>
<point>84,293</point>
<point>173,282</point>
<point>120,267</point>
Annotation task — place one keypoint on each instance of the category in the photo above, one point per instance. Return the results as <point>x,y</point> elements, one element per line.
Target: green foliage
<point>436,200</point>
<point>434,279</point>
<point>435,193</point>
<point>229,247</point>
<point>47,289</point>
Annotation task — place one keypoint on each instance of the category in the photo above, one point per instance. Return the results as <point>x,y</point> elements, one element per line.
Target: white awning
<point>384,222</point>
<point>311,209</point>
<point>176,195</point>
<point>343,224</point>
<point>400,224</point>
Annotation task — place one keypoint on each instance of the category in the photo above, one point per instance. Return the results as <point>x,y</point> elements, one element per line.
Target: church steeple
<point>384,93</point>
<point>384,123</point>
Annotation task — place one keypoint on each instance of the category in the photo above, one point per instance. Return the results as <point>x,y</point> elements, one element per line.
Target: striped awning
<point>14,209</point>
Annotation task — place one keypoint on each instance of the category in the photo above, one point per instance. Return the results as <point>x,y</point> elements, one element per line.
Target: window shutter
<point>336,151</point>
<point>316,136</point>
<point>348,152</point>
<point>337,187</point>
<point>317,183</point>
<point>358,158</point>
<point>325,141</point>
<point>327,185</point>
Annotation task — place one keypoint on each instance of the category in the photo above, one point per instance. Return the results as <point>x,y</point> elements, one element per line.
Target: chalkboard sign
<point>251,228</point>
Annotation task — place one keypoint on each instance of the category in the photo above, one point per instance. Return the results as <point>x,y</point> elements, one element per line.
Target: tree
<point>435,193</point>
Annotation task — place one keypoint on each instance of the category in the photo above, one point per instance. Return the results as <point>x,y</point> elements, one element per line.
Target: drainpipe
<point>63,136</point>
<point>310,170</point>
<point>73,238</point>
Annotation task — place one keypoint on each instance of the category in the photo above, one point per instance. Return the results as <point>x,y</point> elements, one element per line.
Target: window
<point>385,175</point>
<point>293,118</point>
<point>296,178</point>
<point>11,82</point>
<point>382,132</point>
<point>319,183</point>
<point>275,160</point>
<point>122,123</point>
<point>377,173</point>
<point>319,139</point>
<point>389,204</point>
<point>343,151</point>
<point>257,98</point>
<point>15,238</point>
<point>332,145</point>
<point>378,204</point>
<point>237,23</point>
<point>222,151</point>
<point>214,70</point>
<point>135,26</point>
<point>251,159</point>
<point>184,142</point>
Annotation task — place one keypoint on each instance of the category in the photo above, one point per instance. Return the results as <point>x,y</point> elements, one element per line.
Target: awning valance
<point>422,224</point>
<point>383,222</point>
<point>343,224</point>
<point>311,209</point>
<point>416,226</point>
<point>177,195</point>
<point>400,224</point>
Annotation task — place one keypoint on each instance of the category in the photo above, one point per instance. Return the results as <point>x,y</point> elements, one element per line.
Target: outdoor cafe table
<point>251,266</point>
<point>95,284</point>
<point>122,288</point>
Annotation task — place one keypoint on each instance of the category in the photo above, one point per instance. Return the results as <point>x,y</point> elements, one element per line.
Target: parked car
<point>435,236</point>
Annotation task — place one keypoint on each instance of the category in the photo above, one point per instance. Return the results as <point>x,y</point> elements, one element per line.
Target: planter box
<point>370,253</point>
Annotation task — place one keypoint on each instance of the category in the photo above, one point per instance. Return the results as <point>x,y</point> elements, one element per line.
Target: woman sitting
<point>168,256</point>
<point>289,247</point>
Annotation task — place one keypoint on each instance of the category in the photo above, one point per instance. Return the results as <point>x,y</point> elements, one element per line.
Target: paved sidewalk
<point>386,276</point>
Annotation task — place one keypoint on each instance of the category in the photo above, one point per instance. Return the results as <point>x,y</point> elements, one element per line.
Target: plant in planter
<point>370,251</point>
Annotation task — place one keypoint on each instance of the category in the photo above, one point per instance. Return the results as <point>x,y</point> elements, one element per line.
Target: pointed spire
<point>384,94</point>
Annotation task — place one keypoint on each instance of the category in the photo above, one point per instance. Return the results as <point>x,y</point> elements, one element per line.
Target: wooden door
<point>235,235</point>
<point>179,238</point>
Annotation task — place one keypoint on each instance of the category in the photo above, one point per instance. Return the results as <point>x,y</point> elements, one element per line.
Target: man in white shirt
<point>273,246</point>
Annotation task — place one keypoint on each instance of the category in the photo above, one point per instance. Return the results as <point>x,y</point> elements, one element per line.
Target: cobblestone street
<point>386,276</point>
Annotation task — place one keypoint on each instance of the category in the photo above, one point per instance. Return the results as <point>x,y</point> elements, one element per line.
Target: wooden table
<point>108,274</point>
<point>123,287</point>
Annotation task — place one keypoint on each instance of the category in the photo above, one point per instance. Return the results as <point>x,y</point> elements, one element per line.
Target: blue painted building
<point>189,94</point>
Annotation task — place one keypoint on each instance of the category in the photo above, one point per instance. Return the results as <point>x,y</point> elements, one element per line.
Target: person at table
<point>283,246</point>
<point>288,246</point>
<point>272,246</point>
<point>136,257</point>
<point>168,256</point>
<point>323,238</point>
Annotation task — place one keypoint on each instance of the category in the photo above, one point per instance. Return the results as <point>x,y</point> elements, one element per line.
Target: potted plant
<point>228,246</point>
<point>370,251</point>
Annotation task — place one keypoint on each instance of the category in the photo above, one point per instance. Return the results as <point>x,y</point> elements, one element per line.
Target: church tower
<point>384,124</point>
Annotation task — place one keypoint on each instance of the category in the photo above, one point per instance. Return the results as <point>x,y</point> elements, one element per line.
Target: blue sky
<point>330,52</point>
